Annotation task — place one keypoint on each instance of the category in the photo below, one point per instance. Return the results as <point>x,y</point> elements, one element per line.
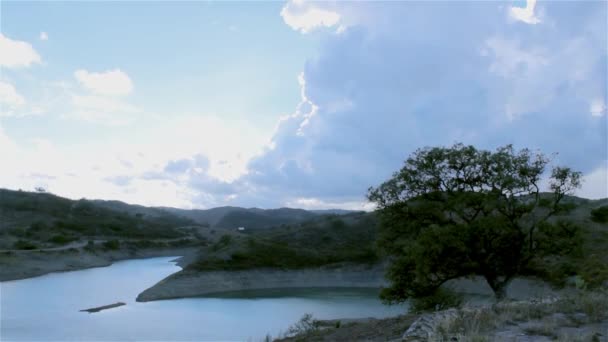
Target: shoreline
<point>18,266</point>
<point>187,284</point>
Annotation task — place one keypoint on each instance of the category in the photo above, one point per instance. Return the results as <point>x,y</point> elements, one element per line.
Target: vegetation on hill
<point>37,219</point>
<point>600,214</point>
<point>322,241</point>
<point>259,219</point>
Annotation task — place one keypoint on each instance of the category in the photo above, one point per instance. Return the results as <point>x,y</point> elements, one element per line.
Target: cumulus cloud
<point>15,53</point>
<point>595,183</point>
<point>9,97</point>
<point>379,93</point>
<point>525,14</point>
<point>105,105</point>
<point>306,16</point>
<point>111,82</point>
<point>101,110</point>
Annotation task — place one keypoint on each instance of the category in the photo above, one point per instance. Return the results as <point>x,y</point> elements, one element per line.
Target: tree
<point>454,212</point>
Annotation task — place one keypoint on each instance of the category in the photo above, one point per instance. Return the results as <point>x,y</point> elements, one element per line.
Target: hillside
<point>229,217</point>
<point>31,220</point>
<point>316,242</point>
<point>42,220</point>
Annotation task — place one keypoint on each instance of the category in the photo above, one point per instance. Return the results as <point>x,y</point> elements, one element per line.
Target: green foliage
<point>61,239</point>
<point>594,271</point>
<point>306,325</point>
<point>441,299</point>
<point>600,214</point>
<point>223,242</point>
<point>313,245</point>
<point>39,226</point>
<point>48,215</point>
<point>458,211</point>
<point>22,244</point>
<point>111,244</point>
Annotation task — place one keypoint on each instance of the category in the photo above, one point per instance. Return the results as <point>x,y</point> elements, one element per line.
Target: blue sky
<point>302,104</point>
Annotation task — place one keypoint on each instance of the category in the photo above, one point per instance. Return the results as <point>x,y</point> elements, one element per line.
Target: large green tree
<point>457,211</point>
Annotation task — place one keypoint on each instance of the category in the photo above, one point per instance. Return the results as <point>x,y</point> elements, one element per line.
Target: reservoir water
<point>47,308</point>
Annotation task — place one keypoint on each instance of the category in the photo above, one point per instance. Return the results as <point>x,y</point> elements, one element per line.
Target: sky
<point>302,104</point>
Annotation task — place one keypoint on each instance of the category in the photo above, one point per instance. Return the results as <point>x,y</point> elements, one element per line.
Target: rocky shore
<point>195,284</point>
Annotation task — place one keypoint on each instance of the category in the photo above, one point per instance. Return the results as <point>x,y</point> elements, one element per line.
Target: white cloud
<point>305,17</point>
<point>394,82</point>
<point>44,36</point>
<point>511,60</point>
<point>525,14</point>
<point>598,107</point>
<point>102,109</point>
<point>9,96</point>
<point>111,82</point>
<point>595,183</point>
<point>317,204</point>
<point>101,103</point>
<point>14,53</point>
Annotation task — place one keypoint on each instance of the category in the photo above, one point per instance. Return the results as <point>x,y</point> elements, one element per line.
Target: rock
<point>425,327</point>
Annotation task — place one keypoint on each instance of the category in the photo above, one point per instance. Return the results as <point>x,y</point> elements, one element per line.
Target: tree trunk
<point>500,292</point>
<point>499,287</point>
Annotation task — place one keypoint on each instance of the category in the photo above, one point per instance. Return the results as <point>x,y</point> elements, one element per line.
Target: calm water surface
<point>47,308</point>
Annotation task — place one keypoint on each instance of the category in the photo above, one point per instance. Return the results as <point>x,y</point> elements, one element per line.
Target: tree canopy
<point>457,211</point>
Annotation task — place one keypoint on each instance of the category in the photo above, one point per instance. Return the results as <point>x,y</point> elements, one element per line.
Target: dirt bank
<point>15,266</point>
<point>194,284</point>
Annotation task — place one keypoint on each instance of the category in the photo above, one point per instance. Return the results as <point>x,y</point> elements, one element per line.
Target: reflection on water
<point>47,308</point>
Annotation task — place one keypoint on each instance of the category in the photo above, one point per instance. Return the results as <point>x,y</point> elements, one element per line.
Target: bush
<point>61,239</point>
<point>181,242</point>
<point>26,245</point>
<point>594,271</point>
<point>39,226</point>
<point>224,241</point>
<point>304,326</point>
<point>600,214</point>
<point>440,300</point>
<point>112,244</point>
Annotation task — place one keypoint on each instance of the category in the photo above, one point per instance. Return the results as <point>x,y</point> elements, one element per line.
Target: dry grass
<point>578,309</point>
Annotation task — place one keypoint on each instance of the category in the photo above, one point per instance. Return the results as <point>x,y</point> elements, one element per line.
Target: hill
<point>229,217</point>
<point>40,220</point>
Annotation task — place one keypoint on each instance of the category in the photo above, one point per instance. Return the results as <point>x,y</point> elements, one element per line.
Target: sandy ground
<point>15,266</point>
<point>194,284</point>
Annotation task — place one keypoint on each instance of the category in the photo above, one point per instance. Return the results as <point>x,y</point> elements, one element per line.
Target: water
<point>47,308</point>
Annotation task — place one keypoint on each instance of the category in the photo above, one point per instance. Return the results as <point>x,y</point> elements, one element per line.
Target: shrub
<point>39,226</point>
<point>440,300</point>
<point>600,214</point>
<point>26,245</point>
<point>112,244</point>
<point>224,241</point>
<point>304,326</point>
<point>61,239</point>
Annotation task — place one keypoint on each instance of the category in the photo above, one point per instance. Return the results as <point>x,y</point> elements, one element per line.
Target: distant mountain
<point>131,208</point>
<point>335,211</point>
<point>44,218</point>
<point>259,218</point>
<point>229,217</point>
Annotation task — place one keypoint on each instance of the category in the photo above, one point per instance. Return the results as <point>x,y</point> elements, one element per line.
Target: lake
<point>47,308</point>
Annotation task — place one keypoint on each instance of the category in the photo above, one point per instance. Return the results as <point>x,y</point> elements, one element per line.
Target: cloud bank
<point>398,81</point>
